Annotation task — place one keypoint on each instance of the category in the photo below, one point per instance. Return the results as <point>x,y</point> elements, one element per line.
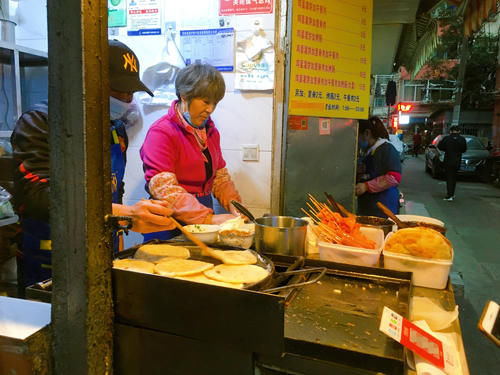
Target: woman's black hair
<point>375,125</point>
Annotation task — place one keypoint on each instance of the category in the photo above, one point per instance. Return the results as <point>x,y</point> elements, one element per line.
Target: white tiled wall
<point>242,117</point>
<point>31,19</point>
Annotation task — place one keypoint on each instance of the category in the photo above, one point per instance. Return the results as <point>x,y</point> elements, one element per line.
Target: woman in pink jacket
<point>181,154</point>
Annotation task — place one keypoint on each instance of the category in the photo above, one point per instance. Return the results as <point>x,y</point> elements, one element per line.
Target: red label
<point>422,343</point>
<point>230,7</point>
<point>297,122</point>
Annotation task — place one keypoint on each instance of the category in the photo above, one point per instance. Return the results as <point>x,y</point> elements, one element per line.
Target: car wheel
<point>427,169</point>
<point>484,174</point>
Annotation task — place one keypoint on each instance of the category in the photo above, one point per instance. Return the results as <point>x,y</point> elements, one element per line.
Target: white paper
<point>144,17</point>
<point>437,318</point>
<point>452,364</point>
<point>20,318</point>
<point>255,63</point>
<point>211,46</point>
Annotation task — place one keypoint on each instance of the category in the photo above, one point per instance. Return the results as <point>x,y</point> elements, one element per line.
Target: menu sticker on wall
<point>228,7</point>
<point>331,58</point>
<point>212,46</point>
<point>144,17</point>
<point>297,122</point>
<point>324,126</point>
<point>117,13</point>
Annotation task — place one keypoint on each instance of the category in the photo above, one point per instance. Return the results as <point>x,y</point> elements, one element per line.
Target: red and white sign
<point>413,337</point>
<point>298,122</point>
<point>404,107</point>
<point>237,7</point>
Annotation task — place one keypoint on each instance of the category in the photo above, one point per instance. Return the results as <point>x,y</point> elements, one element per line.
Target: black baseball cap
<point>124,69</point>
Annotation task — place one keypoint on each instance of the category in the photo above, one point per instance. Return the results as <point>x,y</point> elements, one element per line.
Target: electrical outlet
<point>250,153</point>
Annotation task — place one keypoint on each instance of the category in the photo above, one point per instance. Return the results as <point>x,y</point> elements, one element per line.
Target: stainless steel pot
<point>280,235</point>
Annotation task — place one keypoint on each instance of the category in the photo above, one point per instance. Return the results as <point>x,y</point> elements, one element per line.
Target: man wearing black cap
<point>32,179</point>
<point>453,145</point>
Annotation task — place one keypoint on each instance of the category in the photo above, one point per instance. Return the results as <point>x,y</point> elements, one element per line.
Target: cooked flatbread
<point>134,265</point>
<point>245,274</point>
<point>201,278</point>
<point>155,253</point>
<point>235,256</point>
<point>181,267</point>
<point>420,242</point>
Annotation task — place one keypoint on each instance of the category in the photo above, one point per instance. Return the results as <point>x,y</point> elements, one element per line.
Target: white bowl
<point>423,219</point>
<point>238,239</point>
<point>206,233</point>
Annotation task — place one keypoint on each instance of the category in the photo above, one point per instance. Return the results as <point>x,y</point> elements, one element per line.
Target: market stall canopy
<point>420,39</point>
<point>476,13</point>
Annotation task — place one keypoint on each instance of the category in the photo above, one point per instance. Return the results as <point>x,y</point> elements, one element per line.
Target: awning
<point>477,13</point>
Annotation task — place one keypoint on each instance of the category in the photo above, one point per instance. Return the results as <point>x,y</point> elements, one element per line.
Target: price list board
<point>331,58</point>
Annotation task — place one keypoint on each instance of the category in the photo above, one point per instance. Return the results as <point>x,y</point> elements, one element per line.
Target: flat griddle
<point>269,284</point>
<point>338,318</point>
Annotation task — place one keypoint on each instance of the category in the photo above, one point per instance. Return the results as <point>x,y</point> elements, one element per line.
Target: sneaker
<point>449,199</point>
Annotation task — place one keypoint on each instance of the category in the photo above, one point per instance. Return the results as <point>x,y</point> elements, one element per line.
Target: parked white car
<point>399,145</point>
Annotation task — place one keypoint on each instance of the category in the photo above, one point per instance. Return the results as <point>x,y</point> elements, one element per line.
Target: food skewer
<point>332,227</point>
<point>337,206</point>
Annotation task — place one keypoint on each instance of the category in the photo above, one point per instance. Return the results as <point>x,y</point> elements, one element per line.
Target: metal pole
<point>82,314</point>
<point>279,131</point>
<point>496,112</point>
<point>455,120</point>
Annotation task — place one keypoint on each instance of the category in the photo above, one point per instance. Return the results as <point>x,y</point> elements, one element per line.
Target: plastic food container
<point>354,255</point>
<point>423,219</point>
<point>206,233</point>
<point>429,273</point>
<point>236,238</point>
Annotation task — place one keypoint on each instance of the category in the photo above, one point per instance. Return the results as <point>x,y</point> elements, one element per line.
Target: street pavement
<point>473,227</point>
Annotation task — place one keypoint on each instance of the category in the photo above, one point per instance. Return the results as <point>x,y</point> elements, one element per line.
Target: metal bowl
<point>376,222</point>
<point>280,235</point>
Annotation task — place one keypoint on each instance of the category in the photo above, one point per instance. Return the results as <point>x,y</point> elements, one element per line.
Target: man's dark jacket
<point>453,145</point>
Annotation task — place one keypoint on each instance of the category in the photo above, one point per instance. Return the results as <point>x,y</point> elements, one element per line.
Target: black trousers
<point>451,180</point>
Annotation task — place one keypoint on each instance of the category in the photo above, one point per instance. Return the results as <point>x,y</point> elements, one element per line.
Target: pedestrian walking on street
<point>453,145</point>
<point>417,143</point>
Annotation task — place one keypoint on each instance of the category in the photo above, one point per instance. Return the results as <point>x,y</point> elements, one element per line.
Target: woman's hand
<point>147,215</point>
<point>361,188</point>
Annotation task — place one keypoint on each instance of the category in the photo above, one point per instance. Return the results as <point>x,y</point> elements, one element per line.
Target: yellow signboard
<point>331,58</point>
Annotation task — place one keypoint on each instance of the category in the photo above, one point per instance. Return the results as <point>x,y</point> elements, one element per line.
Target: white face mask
<point>117,108</point>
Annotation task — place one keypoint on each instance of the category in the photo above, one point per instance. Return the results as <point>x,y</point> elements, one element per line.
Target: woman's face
<point>199,110</point>
<point>367,138</point>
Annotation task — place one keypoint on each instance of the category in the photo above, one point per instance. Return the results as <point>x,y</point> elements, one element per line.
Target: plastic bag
<point>160,78</point>
<point>6,209</point>
<point>5,147</point>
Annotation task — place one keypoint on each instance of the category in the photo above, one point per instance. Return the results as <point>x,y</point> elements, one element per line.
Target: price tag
<point>412,337</point>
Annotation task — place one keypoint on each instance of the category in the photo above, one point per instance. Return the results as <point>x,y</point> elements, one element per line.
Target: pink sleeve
<point>158,152</point>
<point>164,186</point>
<point>224,189</point>
<point>383,182</point>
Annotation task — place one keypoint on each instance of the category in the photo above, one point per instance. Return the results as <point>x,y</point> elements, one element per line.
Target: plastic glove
<point>187,209</point>
<point>224,190</point>
<point>147,215</point>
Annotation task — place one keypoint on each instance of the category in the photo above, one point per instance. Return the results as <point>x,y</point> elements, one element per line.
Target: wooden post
<point>80,186</point>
